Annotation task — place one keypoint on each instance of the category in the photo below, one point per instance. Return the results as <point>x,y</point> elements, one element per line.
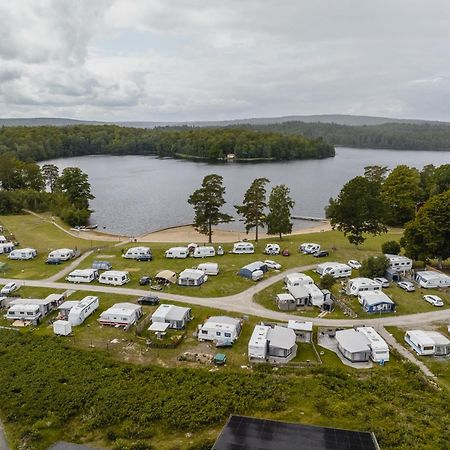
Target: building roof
<point>159,326</point>
<point>24,307</point>
<point>298,276</point>
<point>372,298</point>
<point>248,433</point>
<point>30,301</point>
<point>299,291</point>
<point>259,336</point>
<point>352,341</point>
<point>82,272</point>
<point>126,309</point>
<point>192,274</point>
<point>299,325</point>
<point>281,337</point>
<point>171,312</point>
<point>168,275</point>
<point>360,281</point>
<point>431,274</point>
<point>114,273</point>
<point>54,297</point>
<point>224,320</point>
<point>69,304</point>
<point>285,297</point>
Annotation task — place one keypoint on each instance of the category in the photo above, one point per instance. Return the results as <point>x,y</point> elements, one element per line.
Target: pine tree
<point>280,207</point>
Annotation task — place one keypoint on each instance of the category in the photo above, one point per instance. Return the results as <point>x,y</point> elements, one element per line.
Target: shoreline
<point>187,233</point>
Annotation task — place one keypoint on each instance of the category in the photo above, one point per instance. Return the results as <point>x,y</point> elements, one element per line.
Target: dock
<point>312,219</point>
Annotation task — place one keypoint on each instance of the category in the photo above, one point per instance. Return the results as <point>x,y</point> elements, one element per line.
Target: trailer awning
<point>159,326</point>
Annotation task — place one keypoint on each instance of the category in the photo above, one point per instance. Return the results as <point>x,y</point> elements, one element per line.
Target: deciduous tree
<point>74,183</point>
<point>280,207</point>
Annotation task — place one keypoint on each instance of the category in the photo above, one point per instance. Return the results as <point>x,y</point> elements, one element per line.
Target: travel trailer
<point>6,247</point>
<point>121,315</point>
<point>192,277</point>
<point>82,276</point>
<point>379,350</point>
<point>357,285</point>
<point>220,329</point>
<point>62,254</point>
<point>23,253</point>
<point>114,277</point>
<point>138,253</point>
<point>272,249</point>
<point>209,268</point>
<point>240,248</point>
<point>338,270</point>
<point>309,248</point>
<point>177,252</point>
<point>297,279</point>
<point>431,279</point>
<point>399,263</point>
<point>421,343</point>
<point>82,310</point>
<point>204,252</point>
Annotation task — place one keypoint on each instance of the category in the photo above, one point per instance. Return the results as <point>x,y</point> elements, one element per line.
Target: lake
<point>138,194</point>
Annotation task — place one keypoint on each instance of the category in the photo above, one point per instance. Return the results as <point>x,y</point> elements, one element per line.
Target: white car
<point>406,285</point>
<point>433,300</point>
<point>272,264</point>
<point>354,264</point>
<point>8,288</point>
<point>384,283</point>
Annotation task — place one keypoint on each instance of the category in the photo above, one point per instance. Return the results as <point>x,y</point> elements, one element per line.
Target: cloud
<point>191,60</point>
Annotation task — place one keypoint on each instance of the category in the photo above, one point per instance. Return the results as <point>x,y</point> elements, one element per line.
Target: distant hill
<point>339,119</point>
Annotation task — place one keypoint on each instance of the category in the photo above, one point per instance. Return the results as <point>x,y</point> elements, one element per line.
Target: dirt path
<point>3,442</point>
<point>72,266</point>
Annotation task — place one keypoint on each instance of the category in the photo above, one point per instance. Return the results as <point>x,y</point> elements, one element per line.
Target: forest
<point>48,142</point>
<point>398,136</point>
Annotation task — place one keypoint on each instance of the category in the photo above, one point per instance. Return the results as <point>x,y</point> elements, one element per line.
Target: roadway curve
<point>243,302</point>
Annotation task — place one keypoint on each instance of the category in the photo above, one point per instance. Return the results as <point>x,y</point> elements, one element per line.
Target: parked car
<point>354,264</point>
<point>406,285</point>
<point>433,300</point>
<point>144,258</point>
<point>383,281</point>
<point>321,254</point>
<point>53,261</point>
<point>144,281</point>
<point>285,252</point>
<point>8,288</point>
<point>272,264</point>
<point>148,300</point>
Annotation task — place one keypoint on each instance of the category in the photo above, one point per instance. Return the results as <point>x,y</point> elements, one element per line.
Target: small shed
<point>62,328</point>
<point>353,345</point>
<point>286,302</point>
<point>303,330</point>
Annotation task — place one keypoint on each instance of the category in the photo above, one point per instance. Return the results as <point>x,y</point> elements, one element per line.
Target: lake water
<point>137,194</point>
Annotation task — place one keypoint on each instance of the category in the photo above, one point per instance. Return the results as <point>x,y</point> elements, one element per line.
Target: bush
<point>327,281</point>
<point>75,217</point>
<point>374,266</point>
<point>391,247</point>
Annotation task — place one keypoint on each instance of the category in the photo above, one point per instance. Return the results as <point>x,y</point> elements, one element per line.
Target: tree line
<point>405,197</point>
<point>48,142</point>
<point>399,136</point>
<point>24,185</point>
<point>208,200</point>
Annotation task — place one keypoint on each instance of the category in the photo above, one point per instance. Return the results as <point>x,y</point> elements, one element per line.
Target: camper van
<point>209,268</point>
<point>308,248</point>
<point>80,312</point>
<point>204,252</point>
<point>272,249</point>
<point>114,277</point>
<point>6,247</point>
<point>177,252</point>
<point>240,248</point>
<point>82,276</point>
<point>140,253</point>
<point>23,254</point>
<point>63,254</point>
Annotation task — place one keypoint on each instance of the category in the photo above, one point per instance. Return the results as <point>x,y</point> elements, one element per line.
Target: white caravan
<point>378,347</point>
<point>272,249</point>
<point>63,254</point>
<point>220,328</point>
<point>121,315</point>
<point>204,252</point>
<point>23,253</point>
<point>6,247</point>
<point>81,311</point>
<point>82,276</point>
<point>138,252</point>
<point>177,252</point>
<point>3,240</point>
<point>357,285</point>
<point>297,279</point>
<point>431,279</point>
<point>421,343</point>
<point>114,277</point>
<point>399,263</point>
<point>309,247</point>
<point>337,270</point>
<point>240,248</point>
<point>209,268</point>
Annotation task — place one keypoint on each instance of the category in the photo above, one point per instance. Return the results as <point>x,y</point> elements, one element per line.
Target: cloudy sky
<point>207,60</point>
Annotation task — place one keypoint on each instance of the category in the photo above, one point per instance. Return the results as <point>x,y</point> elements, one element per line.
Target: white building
<point>300,294</point>
<point>121,315</point>
<point>176,316</point>
<point>82,275</point>
<point>80,311</point>
<point>399,263</point>
<point>220,329</point>
<point>192,277</point>
<point>431,279</point>
<point>286,302</point>
<point>379,350</point>
<point>45,305</point>
<point>357,285</point>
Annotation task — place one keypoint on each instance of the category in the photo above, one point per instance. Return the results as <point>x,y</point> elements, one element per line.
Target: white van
<point>114,277</point>
<point>82,276</point>
<point>204,252</point>
<point>308,248</point>
<point>23,253</point>
<point>177,252</point>
<point>243,248</point>
<point>209,268</point>
<point>272,249</point>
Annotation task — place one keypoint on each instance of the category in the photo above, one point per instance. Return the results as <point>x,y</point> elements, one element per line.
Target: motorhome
<point>177,252</point>
<point>431,279</point>
<point>138,253</point>
<point>114,277</point>
<point>240,248</point>
<point>23,253</point>
<point>6,247</point>
<point>209,268</point>
<point>82,310</point>
<point>272,249</point>
<point>82,276</point>
<point>357,285</point>
<point>309,248</point>
<point>204,252</point>
<point>62,254</point>
<point>379,350</point>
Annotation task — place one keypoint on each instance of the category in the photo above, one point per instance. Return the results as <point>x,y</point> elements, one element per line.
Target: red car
<point>285,252</point>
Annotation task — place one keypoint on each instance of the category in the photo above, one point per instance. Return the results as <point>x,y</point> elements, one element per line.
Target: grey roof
<point>352,341</point>
<point>281,337</point>
<point>224,319</point>
<point>438,338</point>
<point>254,266</point>
<point>299,291</point>
<point>372,298</point>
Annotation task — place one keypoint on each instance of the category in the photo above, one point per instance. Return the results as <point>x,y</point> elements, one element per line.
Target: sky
<point>180,60</point>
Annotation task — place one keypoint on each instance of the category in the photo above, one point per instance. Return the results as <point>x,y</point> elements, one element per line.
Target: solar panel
<point>248,433</point>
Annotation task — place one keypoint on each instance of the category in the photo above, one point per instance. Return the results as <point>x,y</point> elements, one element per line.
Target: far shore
<point>186,234</point>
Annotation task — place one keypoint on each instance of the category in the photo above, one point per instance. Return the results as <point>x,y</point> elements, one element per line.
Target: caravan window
<point>218,333</point>
<point>204,331</point>
<point>428,347</point>
<point>227,334</point>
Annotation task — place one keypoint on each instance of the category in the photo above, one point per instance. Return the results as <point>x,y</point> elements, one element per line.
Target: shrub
<point>391,247</point>
<point>374,266</point>
<point>327,281</point>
